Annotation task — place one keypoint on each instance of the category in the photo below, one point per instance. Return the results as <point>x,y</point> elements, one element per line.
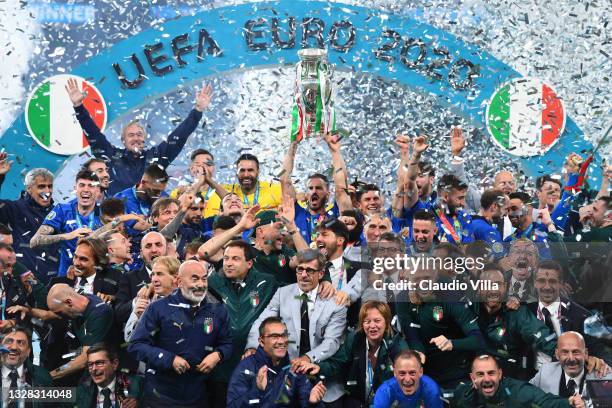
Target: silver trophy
<point>313,112</point>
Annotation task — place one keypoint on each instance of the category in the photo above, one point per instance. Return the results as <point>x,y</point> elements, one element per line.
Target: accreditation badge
<point>500,331</point>
<point>208,325</point>
<point>438,313</point>
<point>254,298</point>
<point>282,261</point>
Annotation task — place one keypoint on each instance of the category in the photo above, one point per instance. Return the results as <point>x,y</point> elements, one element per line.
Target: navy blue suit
<point>168,328</point>
<point>126,168</point>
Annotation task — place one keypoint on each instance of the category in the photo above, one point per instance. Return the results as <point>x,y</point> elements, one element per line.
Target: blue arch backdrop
<point>176,53</point>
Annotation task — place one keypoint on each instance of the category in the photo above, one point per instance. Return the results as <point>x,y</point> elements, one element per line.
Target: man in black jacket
<point>126,165</point>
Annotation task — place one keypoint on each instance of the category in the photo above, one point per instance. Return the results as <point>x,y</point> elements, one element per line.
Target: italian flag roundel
<point>525,117</point>
<point>51,119</point>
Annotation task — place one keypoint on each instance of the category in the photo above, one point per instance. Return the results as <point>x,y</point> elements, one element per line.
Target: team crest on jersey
<point>52,214</point>
<point>208,325</point>
<point>254,297</point>
<point>282,261</point>
<point>438,313</point>
<point>500,331</point>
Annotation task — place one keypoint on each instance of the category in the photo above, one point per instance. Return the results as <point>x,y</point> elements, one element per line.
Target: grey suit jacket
<point>326,330</point>
<point>549,377</point>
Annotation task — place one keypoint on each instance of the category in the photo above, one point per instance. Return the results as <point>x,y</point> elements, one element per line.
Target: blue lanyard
<point>208,193</point>
<point>370,373</point>
<point>245,199</point>
<point>90,219</point>
<point>143,210</point>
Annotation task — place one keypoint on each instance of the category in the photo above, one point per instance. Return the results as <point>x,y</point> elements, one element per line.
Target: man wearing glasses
<point>315,325</point>
<point>106,386</point>
<point>266,376</point>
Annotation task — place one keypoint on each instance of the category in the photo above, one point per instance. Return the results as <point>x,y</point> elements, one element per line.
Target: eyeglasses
<point>97,363</point>
<point>277,336</point>
<point>310,271</point>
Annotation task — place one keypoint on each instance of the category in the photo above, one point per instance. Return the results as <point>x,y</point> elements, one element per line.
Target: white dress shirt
<point>111,387</point>
<point>88,287</point>
<point>337,272</point>
<point>6,384</point>
<point>555,314</point>
<point>312,297</point>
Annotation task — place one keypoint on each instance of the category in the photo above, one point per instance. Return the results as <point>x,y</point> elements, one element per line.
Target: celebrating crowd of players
<point>264,294</point>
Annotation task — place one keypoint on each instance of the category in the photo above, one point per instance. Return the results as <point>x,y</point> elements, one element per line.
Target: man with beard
<point>445,331</point>
<point>520,264</point>
<point>409,388</point>
<point>17,368</point>
<point>490,388</point>
<point>245,292</point>
<point>250,190</point>
<point>264,376</point>
<point>353,219</point>
<point>567,376</point>
<point>510,334</point>
<point>596,220</point>
<point>181,338</point>
<point>24,217</point>
<point>153,244</point>
<point>106,386</point>
<point>424,231</point>
<point>520,212</point>
<point>127,164</point>
<point>485,225</point>
<point>317,196</point>
<point>98,167</point>
<point>72,220</point>
<point>91,320</point>
<point>203,164</point>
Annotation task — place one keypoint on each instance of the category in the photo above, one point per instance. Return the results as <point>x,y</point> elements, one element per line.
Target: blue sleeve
<point>142,346</point>
<point>560,214</point>
<point>55,218</point>
<point>242,387</point>
<point>431,394</point>
<point>167,151</point>
<point>8,211</point>
<point>304,388</point>
<point>383,398</point>
<point>225,340</point>
<point>100,146</point>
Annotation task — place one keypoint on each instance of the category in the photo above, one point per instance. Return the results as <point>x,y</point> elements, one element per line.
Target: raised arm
<point>457,168</point>
<point>44,235</point>
<point>285,177</point>
<point>403,182</point>
<point>343,200</point>
<point>99,143</point>
<point>213,245</point>
<point>287,216</point>
<point>167,151</point>
<point>604,190</point>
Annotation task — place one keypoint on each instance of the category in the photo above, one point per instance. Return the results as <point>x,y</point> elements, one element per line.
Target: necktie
<point>13,375</point>
<point>571,387</point>
<point>548,320</point>
<point>390,296</point>
<point>81,285</point>
<point>237,286</point>
<point>106,392</point>
<point>305,325</point>
<point>516,288</point>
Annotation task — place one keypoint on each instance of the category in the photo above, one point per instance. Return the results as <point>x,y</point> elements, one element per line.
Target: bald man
<point>568,375</point>
<point>152,245</point>
<point>181,338</point>
<point>89,319</point>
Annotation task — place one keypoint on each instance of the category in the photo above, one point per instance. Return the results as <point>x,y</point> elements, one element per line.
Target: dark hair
<point>336,226</point>
<point>363,188</point>
<point>223,222</point>
<point>4,245</point>
<point>490,197</point>
<point>478,249</point>
<point>157,173</point>
<point>112,207</point>
<point>520,195</point>
<point>98,247</point>
<point>91,161</point>
<point>607,200</point>
<point>451,182</point>
<point>86,175</point>
<point>110,351</point>
<point>424,215</point>
<point>193,246</point>
<point>21,329</point>
<point>394,238</point>
<point>267,321</point>
<point>198,152</point>
<point>552,265</point>
<point>308,255</point>
<point>454,251</point>
<point>407,354</point>
<point>492,267</point>
<point>227,195</point>
<point>426,167</point>
<point>320,176</point>
<point>246,247</point>
<point>484,357</point>
<point>546,178</point>
<point>5,230</point>
<point>248,156</point>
